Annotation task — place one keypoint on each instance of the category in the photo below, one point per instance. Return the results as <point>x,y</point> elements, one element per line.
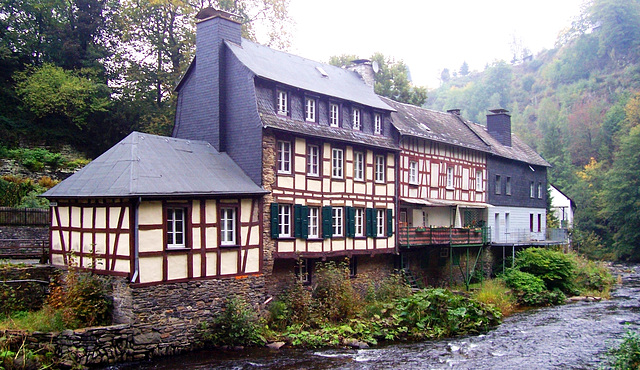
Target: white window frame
<point>283,103</point>
<point>313,160</point>
<point>228,228</point>
<point>337,163</point>
<point>413,172</point>
<point>356,122</point>
<point>337,221</point>
<point>284,220</point>
<point>358,166</point>
<point>176,227</point>
<point>380,222</point>
<point>450,171</point>
<point>334,115</point>
<point>314,226</point>
<point>479,180</point>
<point>310,110</point>
<point>284,156</point>
<point>507,186</point>
<point>539,190</point>
<point>379,168</point>
<point>532,191</point>
<point>377,123</point>
<point>359,222</point>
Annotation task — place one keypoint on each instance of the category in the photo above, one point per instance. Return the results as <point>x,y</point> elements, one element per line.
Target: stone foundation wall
<point>27,286</point>
<point>24,232</point>
<point>149,321</point>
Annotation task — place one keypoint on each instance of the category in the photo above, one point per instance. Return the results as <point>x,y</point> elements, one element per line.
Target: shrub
<point>529,289</point>
<point>555,268</point>
<point>294,306</point>
<point>83,299</point>
<point>235,325</point>
<point>334,293</point>
<point>592,276</point>
<point>627,355</point>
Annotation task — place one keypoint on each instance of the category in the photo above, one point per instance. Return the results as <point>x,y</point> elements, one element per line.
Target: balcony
<point>426,236</point>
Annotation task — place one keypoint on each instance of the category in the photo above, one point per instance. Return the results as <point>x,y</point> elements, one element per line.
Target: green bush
<point>83,299</point>
<point>627,355</point>
<point>530,290</point>
<point>294,306</point>
<point>334,293</point>
<point>236,325</point>
<point>555,268</point>
<point>592,276</point>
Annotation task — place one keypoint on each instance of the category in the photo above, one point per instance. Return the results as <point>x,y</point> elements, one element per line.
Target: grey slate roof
<point>272,120</point>
<point>443,127</point>
<point>150,165</point>
<point>518,150</point>
<point>300,72</point>
<point>450,128</point>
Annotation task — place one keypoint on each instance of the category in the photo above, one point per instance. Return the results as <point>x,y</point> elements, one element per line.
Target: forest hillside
<point>579,106</point>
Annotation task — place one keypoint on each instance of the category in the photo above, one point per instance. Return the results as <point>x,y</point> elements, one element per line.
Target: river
<point>572,336</point>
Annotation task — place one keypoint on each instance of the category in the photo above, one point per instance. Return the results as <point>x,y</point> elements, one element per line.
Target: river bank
<point>572,336</point>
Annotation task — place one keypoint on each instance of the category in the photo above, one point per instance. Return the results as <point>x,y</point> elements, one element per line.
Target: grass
<point>496,293</point>
<point>45,320</point>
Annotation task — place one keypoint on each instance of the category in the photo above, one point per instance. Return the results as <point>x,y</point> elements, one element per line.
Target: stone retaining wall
<point>150,321</point>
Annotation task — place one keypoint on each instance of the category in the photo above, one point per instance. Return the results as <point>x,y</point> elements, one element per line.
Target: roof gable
<point>150,165</point>
<point>305,74</point>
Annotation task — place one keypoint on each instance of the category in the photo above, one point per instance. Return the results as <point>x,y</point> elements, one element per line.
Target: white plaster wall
<point>518,228</point>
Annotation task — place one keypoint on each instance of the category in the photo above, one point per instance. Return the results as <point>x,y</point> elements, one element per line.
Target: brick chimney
<point>213,27</point>
<point>364,68</point>
<point>499,125</point>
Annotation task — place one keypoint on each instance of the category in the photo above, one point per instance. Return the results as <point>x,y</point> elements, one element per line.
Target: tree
<point>445,76</point>
<point>464,69</point>
<point>621,195</point>
<point>619,33</point>
<point>50,90</point>
<point>392,79</point>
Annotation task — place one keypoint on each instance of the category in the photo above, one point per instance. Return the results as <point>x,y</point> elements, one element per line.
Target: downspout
<point>136,239</point>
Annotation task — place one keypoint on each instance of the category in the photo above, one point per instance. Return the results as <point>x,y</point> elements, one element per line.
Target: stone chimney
<point>213,27</point>
<point>364,68</point>
<point>499,125</point>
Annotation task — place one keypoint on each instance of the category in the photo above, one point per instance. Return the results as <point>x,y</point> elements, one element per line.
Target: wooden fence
<point>24,216</point>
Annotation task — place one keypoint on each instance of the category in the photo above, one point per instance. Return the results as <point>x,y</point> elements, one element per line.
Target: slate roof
<point>411,120</point>
<point>300,72</point>
<point>452,129</point>
<point>272,120</point>
<point>518,150</point>
<point>150,165</point>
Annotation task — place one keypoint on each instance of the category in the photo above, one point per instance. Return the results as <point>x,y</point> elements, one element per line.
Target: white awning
<point>445,203</point>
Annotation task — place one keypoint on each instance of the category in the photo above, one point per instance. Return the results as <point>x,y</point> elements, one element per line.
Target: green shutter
<point>297,224</point>
<point>275,226</point>
<point>371,223</point>
<point>327,225</point>
<point>304,222</point>
<point>389,222</point>
<point>351,222</point>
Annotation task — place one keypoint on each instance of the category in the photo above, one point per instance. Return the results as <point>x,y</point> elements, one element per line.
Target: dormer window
<point>283,103</point>
<point>310,110</point>
<point>334,115</point>
<point>377,123</point>
<point>355,119</point>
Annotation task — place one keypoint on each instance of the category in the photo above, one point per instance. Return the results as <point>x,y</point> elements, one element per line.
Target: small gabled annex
<point>158,209</point>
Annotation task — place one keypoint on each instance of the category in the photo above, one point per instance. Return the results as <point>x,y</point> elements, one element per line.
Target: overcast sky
<point>428,35</point>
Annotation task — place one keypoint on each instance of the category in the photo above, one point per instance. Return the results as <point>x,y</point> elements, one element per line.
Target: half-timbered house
<point>441,188</point>
<point>155,210</point>
<point>314,135</point>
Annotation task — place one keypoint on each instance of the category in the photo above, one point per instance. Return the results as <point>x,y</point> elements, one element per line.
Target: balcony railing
<point>424,236</point>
